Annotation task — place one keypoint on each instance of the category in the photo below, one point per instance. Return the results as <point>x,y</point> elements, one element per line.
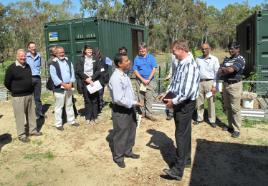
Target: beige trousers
<point>204,87</point>
<point>232,99</point>
<point>24,112</point>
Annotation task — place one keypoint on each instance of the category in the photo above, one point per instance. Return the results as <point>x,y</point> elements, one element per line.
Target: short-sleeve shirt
<point>144,65</point>
<point>238,62</point>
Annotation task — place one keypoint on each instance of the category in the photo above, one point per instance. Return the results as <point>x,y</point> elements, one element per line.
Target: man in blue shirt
<point>123,113</point>
<point>144,68</point>
<point>34,60</point>
<point>63,77</point>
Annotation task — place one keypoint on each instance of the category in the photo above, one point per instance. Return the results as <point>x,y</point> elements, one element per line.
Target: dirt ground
<point>82,156</point>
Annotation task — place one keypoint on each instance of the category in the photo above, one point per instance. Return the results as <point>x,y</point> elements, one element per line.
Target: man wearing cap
<point>209,66</point>
<point>231,73</point>
<point>144,69</point>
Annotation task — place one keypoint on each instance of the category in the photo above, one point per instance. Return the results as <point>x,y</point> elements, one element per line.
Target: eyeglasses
<point>203,49</point>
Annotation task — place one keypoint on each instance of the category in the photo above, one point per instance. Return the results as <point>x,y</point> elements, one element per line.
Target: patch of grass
<point>40,156</point>
<point>247,123</point>
<point>37,142</point>
<point>20,175</point>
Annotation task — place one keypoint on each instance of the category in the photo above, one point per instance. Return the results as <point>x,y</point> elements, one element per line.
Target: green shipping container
<point>252,34</point>
<point>107,35</point>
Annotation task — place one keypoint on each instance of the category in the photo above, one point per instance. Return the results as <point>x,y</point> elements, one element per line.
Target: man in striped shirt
<point>184,91</point>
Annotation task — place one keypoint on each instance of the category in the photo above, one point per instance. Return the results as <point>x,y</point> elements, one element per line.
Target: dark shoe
<point>133,156</point>
<point>225,128</point>
<point>75,124</point>
<point>150,117</point>
<point>169,118</point>
<point>36,134</point>
<point>213,125</point>
<point>197,122</point>
<point>121,164</point>
<point>60,128</point>
<point>171,173</point>
<point>24,139</point>
<point>235,134</point>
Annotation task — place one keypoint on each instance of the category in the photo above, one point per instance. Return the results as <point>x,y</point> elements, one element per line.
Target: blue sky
<point>217,3</point>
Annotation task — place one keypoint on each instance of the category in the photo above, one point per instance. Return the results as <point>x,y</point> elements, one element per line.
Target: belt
<point>36,76</point>
<point>201,80</point>
<point>121,109</point>
<point>233,81</point>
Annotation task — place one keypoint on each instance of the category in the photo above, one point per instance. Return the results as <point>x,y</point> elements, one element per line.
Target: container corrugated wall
<point>252,34</point>
<point>104,34</point>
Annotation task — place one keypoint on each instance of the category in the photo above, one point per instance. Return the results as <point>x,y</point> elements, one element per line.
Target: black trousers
<point>183,119</point>
<point>124,124</point>
<point>91,104</point>
<point>37,95</point>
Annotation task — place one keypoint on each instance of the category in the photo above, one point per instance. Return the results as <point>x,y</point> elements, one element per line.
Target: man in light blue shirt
<point>124,117</point>
<point>144,69</point>
<point>63,77</point>
<point>34,60</point>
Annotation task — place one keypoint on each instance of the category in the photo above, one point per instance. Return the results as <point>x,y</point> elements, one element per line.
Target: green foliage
<point>39,156</point>
<point>247,86</point>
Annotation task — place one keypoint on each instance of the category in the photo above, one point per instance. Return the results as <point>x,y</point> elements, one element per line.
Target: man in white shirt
<point>209,66</point>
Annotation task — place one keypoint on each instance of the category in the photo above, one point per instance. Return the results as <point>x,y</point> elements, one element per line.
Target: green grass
<point>40,156</point>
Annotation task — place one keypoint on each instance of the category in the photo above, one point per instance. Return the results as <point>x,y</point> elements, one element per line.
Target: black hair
<point>234,44</point>
<point>118,58</point>
<point>122,48</point>
<point>98,54</point>
<point>85,48</point>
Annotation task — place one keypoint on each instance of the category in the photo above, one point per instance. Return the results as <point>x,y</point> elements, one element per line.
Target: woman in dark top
<point>88,70</point>
<point>104,79</point>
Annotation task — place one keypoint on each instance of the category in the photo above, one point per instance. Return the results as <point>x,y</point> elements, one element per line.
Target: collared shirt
<point>65,72</point>
<point>208,67</point>
<point>238,63</point>
<point>88,66</point>
<point>19,64</point>
<point>121,89</point>
<point>185,82</point>
<point>35,63</point>
<point>144,65</point>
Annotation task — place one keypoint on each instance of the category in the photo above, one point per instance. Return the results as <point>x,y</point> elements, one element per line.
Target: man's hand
<point>139,104</point>
<point>89,81</point>
<point>146,82</point>
<point>169,103</point>
<point>161,96</point>
<point>213,90</point>
<point>67,86</point>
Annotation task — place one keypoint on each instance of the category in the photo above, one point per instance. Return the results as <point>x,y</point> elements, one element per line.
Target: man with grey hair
<point>63,77</point>
<point>18,80</point>
<point>144,69</point>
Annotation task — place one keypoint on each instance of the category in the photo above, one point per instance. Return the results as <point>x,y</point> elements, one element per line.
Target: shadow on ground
<point>164,144</point>
<point>218,163</point>
<point>5,139</point>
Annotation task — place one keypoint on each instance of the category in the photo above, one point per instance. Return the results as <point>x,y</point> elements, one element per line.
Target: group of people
<point>192,80</point>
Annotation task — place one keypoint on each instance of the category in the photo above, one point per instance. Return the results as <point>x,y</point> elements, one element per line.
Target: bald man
<point>209,66</point>
<point>18,80</point>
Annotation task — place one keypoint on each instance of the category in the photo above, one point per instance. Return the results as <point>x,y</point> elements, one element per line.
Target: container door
<point>84,33</point>
<point>137,38</point>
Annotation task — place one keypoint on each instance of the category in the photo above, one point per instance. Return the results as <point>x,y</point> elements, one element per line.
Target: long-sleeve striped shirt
<point>185,81</point>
